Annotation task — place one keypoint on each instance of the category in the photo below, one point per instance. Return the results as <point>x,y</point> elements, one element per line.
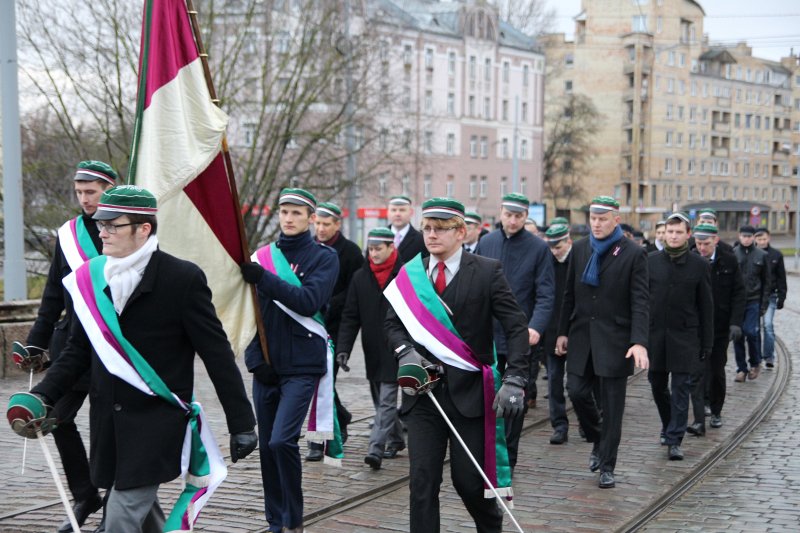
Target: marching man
<point>143,315</point>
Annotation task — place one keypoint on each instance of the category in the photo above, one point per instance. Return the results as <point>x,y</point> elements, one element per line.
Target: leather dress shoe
<point>675,452</point>
<point>606,480</point>
<point>753,374</point>
<point>698,429</point>
<point>82,509</point>
<point>391,451</point>
<point>716,421</point>
<point>559,436</point>
<point>316,452</point>
<point>740,377</point>
<point>374,461</point>
<point>594,458</point>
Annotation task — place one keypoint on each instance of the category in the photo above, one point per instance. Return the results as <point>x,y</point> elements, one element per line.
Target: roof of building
<point>441,18</point>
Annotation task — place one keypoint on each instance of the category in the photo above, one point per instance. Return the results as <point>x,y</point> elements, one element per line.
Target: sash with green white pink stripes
<point>202,465</point>
<point>427,320</point>
<point>76,243</point>
<point>323,426</point>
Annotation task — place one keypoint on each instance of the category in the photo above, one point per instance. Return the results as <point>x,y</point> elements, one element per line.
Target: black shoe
<point>559,436</point>
<point>663,438</point>
<point>316,452</point>
<point>391,451</point>
<point>698,429</point>
<point>374,461</point>
<point>82,509</point>
<point>594,458</point>
<point>675,452</point>
<point>581,433</point>
<point>770,364</point>
<point>606,480</point>
<point>716,421</point>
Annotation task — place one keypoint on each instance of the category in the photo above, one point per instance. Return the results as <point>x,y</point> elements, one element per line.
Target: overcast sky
<point>771,27</point>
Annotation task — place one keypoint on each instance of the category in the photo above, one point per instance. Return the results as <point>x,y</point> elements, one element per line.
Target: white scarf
<point>123,274</point>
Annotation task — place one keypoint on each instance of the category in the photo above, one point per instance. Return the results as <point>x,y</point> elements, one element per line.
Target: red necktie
<point>440,282</point>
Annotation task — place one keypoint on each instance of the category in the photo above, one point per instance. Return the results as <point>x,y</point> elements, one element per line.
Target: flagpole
<point>262,335</point>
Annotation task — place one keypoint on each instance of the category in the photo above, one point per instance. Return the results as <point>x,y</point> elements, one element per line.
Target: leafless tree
<point>532,17</point>
<point>570,128</point>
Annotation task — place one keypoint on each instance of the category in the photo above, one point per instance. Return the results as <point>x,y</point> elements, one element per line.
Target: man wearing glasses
<point>78,240</point>
<point>463,293</point>
<point>143,315</point>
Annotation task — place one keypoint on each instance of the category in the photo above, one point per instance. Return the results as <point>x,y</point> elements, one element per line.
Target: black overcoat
<point>478,293</point>
<point>728,291</point>
<point>681,311</point>
<point>136,439</point>
<point>606,321</point>
<point>411,245</point>
<point>351,259</point>
<point>366,310</point>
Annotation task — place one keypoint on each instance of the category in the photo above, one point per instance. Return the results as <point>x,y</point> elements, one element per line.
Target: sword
<point>57,479</point>
<point>500,499</point>
<point>25,446</point>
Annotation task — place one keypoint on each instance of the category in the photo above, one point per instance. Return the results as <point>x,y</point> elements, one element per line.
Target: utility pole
<point>350,129</point>
<point>14,264</point>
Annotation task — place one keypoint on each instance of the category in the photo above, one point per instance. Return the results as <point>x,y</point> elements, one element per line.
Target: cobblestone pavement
<point>554,489</point>
<point>757,487</point>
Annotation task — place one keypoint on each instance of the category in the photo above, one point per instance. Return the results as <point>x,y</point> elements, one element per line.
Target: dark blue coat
<point>292,348</point>
<point>528,267</point>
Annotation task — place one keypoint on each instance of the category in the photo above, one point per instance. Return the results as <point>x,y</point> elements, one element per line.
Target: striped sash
<point>76,243</point>
<point>323,426</point>
<point>202,465</point>
<point>426,319</point>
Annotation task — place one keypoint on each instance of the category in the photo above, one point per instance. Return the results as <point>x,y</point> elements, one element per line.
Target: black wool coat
<point>477,294</point>
<point>728,292</point>
<point>136,439</point>
<point>681,311</point>
<point>51,329</point>
<point>604,322</point>
<point>366,310</point>
<point>560,275</point>
<point>351,259</point>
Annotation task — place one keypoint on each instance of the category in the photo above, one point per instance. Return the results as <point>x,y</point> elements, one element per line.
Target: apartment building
<point>685,124</point>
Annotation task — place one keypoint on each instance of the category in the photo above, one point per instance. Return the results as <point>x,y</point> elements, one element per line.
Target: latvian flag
<point>177,155</point>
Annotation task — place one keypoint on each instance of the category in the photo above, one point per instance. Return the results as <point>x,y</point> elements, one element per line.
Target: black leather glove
<point>341,359</point>
<point>780,303</point>
<point>242,444</point>
<point>735,333</point>
<point>252,272</point>
<point>510,399</point>
<point>266,374</point>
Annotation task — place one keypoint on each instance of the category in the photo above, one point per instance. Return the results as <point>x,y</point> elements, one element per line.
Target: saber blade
<point>57,479</point>
<point>500,499</point>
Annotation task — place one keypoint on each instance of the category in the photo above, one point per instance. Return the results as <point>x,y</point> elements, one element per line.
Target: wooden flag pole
<point>262,336</point>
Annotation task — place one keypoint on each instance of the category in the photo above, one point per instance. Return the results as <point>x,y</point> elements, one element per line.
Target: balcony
<point>780,155</point>
<point>719,151</point>
<point>723,101</point>
<point>629,68</point>
<point>722,127</point>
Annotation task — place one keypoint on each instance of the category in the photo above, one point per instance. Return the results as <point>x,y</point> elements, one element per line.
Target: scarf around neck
<point>383,271</point>
<point>675,253</point>
<point>123,274</point>
<point>600,247</point>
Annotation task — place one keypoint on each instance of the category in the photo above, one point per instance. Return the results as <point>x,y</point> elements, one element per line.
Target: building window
<point>451,143</point>
<point>473,186</point>
<point>525,74</point>
<point>484,187</point>
<point>503,186</point>
<point>428,142</point>
<point>667,166</point>
<point>523,184</point>
<point>449,190</point>
<point>505,109</point>
<point>451,104</point>
<point>473,146</point>
<point>487,70</point>
<point>670,110</point>
<point>407,98</point>
<point>406,181</point>
<point>429,58</point>
<point>524,113</point>
<point>471,106</point>
<point>487,108</point>
<point>506,71</point>
<point>568,86</point>
<point>407,54</point>
<point>668,139</point>
<point>484,147</point>
<point>504,148</point>
<point>249,133</point>
<point>382,185</point>
<point>639,23</point>
<point>428,101</point>
<point>451,63</point>
<point>426,186</point>
<point>523,149</point>
<point>472,67</point>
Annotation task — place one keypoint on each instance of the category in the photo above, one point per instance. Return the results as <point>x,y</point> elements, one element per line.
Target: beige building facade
<point>685,125</point>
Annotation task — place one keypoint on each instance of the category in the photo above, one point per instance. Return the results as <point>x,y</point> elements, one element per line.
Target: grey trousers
<point>386,429</point>
<point>134,511</point>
